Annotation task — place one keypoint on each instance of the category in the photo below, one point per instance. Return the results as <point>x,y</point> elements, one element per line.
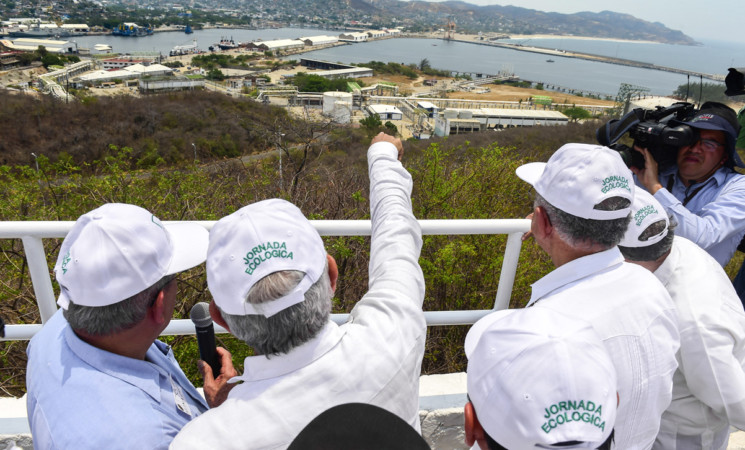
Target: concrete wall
<point>441,400</point>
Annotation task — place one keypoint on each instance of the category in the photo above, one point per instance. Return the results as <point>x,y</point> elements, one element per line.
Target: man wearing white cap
<point>538,379</point>
<point>709,385</point>
<point>96,376</point>
<point>272,283</point>
<point>581,211</point>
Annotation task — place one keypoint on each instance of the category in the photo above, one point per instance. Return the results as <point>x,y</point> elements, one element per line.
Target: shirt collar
<point>574,271</point>
<point>719,177</point>
<point>263,367</point>
<point>665,271</point>
<point>141,374</point>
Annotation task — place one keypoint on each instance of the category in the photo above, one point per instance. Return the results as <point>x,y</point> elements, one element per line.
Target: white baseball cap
<point>537,378</point>
<point>255,241</point>
<point>119,250</point>
<point>578,177</point>
<point>645,211</point>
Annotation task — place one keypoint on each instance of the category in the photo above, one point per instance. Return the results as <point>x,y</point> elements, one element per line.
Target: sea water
<point>571,73</point>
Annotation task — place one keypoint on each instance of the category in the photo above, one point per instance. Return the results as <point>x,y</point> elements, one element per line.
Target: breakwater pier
<point>469,39</point>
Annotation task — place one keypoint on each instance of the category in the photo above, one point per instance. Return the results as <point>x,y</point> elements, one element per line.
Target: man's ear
<point>333,271</point>
<point>217,315</point>
<point>474,430</point>
<point>543,225</point>
<point>157,311</point>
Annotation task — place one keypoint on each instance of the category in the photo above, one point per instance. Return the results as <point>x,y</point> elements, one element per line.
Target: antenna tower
<point>450,28</point>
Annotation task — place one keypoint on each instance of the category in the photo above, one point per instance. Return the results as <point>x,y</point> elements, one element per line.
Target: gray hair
<point>579,232</point>
<point>655,251</point>
<point>120,316</point>
<point>290,327</point>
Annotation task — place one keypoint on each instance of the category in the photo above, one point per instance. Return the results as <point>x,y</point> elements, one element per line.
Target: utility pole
<point>279,149</point>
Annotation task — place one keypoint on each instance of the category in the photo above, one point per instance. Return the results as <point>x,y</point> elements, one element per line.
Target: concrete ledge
<point>441,400</point>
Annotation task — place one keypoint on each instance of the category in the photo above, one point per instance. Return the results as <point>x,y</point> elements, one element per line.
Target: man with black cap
<point>702,191</point>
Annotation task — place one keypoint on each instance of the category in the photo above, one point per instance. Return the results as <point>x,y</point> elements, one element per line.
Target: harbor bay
<point>571,73</point>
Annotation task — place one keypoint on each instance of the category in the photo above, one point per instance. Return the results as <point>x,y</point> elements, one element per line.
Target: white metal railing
<point>33,233</point>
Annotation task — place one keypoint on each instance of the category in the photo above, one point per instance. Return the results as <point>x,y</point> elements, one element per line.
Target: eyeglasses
<point>709,145</point>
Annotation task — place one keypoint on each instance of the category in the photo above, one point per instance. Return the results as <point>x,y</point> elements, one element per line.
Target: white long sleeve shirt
<point>373,358</point>
<point>709,385</point>
<point>634,316</point>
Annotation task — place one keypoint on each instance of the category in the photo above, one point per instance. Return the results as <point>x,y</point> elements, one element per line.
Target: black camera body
<point>653,130</point>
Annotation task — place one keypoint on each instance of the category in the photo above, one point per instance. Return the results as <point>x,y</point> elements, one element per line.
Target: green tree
<point>391,128</point>
<point>424,64</point>
<point>576,113</point>
<point>51,60</point>
<point>372,124</point>
<point>708,92</point>
<point>215,74</point>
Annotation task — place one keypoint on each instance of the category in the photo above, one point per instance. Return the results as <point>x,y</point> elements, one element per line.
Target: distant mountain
<point>516,20</point>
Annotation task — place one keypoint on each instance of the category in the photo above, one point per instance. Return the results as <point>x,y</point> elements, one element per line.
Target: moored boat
<point>132,29</point>
<point>227,44</point>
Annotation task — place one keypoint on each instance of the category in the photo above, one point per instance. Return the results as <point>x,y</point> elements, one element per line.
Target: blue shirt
<point>80,396</point>
<point>713,218</point>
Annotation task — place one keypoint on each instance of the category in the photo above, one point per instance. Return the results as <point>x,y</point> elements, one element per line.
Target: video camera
<point>650,130</point>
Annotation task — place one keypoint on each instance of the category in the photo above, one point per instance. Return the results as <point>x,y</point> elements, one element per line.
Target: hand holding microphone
<point>200,315</point>
<point>216,386</point>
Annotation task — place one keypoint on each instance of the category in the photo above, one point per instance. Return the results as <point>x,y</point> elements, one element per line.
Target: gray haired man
<point>272,283</point>
<point>581,212</point>
<point>709,385</point>
<point>97,377</point>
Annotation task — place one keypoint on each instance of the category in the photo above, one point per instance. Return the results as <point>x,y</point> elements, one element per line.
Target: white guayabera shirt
<point>709,385</point>
<point>374,358</point>
<point>635,317</point>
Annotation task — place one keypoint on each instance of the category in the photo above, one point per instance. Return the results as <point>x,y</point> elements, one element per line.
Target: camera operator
<point>701,190</point>
<point>735,81</point>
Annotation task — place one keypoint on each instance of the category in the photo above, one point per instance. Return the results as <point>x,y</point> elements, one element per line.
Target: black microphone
<point>200,315</point>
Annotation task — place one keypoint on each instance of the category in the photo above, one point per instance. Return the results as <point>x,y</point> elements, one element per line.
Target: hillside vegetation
<point>137,151</point>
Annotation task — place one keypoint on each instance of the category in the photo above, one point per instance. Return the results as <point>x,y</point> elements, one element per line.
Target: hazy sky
<point>711,19</point>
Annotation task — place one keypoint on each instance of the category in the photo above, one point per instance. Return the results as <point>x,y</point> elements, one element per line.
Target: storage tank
<point>337,104</point>
<point>450,114</point>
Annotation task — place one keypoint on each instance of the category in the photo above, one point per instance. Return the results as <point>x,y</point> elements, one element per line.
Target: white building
<point>152,85</point>
<point>30,45</point>
<point>352,72</point>
<point>430,107</point>
<point>127,73</point>
<point>353,37</point>
<point>319,40</point>
<point>76,28</point>
<point>385,112</point>
<point>280,44</point>
<point>373,34</point>
<point>120,63</point>
<point>455,121</point>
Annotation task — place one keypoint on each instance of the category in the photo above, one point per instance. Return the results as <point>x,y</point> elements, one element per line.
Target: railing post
<point>39,271</point>
<point>509,270</point>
